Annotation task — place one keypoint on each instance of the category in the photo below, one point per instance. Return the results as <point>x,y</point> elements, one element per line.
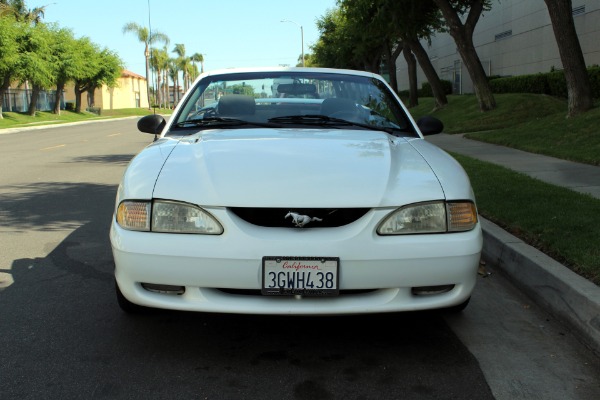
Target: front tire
<point>126,305</point>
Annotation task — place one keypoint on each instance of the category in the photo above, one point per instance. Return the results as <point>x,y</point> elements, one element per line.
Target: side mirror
<point>430,125</point>
<point>153,124</point>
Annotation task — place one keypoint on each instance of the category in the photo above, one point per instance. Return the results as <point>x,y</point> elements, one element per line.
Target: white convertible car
<point>294,191</point>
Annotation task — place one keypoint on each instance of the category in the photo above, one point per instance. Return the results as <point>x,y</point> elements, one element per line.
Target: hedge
<point>551,83</point>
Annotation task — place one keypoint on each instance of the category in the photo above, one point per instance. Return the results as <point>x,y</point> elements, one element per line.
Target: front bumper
<point>222,273</point>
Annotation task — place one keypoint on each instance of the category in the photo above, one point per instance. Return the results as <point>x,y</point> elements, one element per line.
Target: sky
<point>229,33</point>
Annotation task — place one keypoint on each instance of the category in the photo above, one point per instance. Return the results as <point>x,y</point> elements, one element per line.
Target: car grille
<point>319,217</point>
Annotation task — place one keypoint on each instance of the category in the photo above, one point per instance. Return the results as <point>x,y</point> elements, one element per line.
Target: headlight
<point>174,217</point>
<point>166,216</point>
<point>434,217</point>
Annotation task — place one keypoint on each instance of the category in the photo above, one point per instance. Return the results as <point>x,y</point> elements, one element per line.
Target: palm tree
<point>148,38</point>
<point>181,61</point>
<point>18,9</point>
<point>159,62</point>
<point>197,57</point>
<point>174,75</point>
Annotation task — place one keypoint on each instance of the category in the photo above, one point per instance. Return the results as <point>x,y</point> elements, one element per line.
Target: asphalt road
<point>63,336</point>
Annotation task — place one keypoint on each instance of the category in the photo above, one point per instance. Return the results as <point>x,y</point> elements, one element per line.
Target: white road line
<point>53,147</point>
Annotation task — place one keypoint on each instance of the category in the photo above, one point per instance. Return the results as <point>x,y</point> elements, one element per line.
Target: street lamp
<point>301,36</point>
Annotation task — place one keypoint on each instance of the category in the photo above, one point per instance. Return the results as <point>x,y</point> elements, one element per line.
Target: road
<point>63,336</point>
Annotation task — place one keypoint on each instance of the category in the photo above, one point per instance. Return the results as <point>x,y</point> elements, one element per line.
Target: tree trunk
<point>576,75</point>
<point>158,88</point>
<point>413,91</point>
<point>3,88</point>
<point>59,88</point>
<point>392,57</point>
<point>78,92</point>
<point>35,91</point>
<point>463,37</point>
<point>430,74</point>
<point>147,54</point>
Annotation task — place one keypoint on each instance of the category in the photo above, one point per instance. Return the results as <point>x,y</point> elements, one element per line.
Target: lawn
<point>20,120</point>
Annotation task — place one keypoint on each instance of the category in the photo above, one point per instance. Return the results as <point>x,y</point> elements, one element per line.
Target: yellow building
<point>129,92</point>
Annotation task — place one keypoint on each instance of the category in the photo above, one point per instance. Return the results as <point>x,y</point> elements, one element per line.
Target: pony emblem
<point>301,220</point>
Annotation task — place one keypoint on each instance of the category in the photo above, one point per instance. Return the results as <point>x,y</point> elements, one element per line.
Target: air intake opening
<point>164,289</point>
<point>431,290</point>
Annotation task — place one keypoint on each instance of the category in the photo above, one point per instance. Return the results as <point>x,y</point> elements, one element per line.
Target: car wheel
<point>126,305</point>
<point>459,307</point>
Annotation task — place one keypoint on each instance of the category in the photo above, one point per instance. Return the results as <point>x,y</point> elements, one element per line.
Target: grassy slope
<point>534,123</point>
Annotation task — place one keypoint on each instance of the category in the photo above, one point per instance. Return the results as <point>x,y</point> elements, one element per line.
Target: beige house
<point>129,92</point>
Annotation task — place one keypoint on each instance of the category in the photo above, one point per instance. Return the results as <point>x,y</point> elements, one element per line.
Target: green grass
<point>560,222</point>
<point>529,122</point>
<point>19,120</point>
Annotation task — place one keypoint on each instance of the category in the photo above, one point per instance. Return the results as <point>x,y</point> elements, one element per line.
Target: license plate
<point>306,276</point>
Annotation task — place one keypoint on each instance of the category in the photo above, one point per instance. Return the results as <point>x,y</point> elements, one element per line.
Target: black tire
<point>126,305</point>
<point>458,308</point>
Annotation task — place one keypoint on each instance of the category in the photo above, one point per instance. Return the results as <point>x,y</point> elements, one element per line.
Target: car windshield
<point>292,99</point>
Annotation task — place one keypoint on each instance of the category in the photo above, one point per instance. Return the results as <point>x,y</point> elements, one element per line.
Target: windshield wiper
<point>223,122</point>
<point>324,120</point>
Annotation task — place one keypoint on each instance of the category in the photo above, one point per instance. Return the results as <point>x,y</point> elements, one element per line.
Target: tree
<point>462,33</point>
<point>174,75</point>
<point>18,9</point>
<point>145,36</point>
<point>182,63</point>
<point>9,54</point>
<point>411,62</point>
<point>35,63</point>
<point>66,58</point>
<point>578,84</point>
<point>197,57</point>
<point>110,67</point>
<point>371,34</point>
<point>334,48</point>
<point>102,67</point>
<point>160,62</point>
<point>413,21</point>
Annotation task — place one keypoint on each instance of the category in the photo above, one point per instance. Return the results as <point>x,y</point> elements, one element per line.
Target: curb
<point>569,297</point>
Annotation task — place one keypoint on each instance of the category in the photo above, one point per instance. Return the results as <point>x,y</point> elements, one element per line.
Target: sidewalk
<point>566,295</point>
<point>582,178</point>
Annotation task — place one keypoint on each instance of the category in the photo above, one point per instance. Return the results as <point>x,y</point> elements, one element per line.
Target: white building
<point>514,38</point>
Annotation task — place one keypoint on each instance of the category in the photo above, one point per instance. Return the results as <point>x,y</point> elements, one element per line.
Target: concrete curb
<point>569,297</point>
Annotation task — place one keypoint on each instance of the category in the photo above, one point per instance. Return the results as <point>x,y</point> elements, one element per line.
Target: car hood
<point>296,168</point>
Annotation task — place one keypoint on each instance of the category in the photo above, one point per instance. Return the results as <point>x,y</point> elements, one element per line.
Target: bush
<point>521,84</point>
<point>426,91</point>
<point>69,106</point>
<point>552,83</point>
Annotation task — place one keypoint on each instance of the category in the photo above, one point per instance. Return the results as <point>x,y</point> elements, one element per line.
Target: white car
<point>294,191</point>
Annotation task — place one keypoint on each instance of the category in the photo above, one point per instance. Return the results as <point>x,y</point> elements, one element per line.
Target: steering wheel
<point>210,112</point>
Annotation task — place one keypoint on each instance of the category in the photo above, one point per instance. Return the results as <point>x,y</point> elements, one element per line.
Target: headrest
<point>236,104</point>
